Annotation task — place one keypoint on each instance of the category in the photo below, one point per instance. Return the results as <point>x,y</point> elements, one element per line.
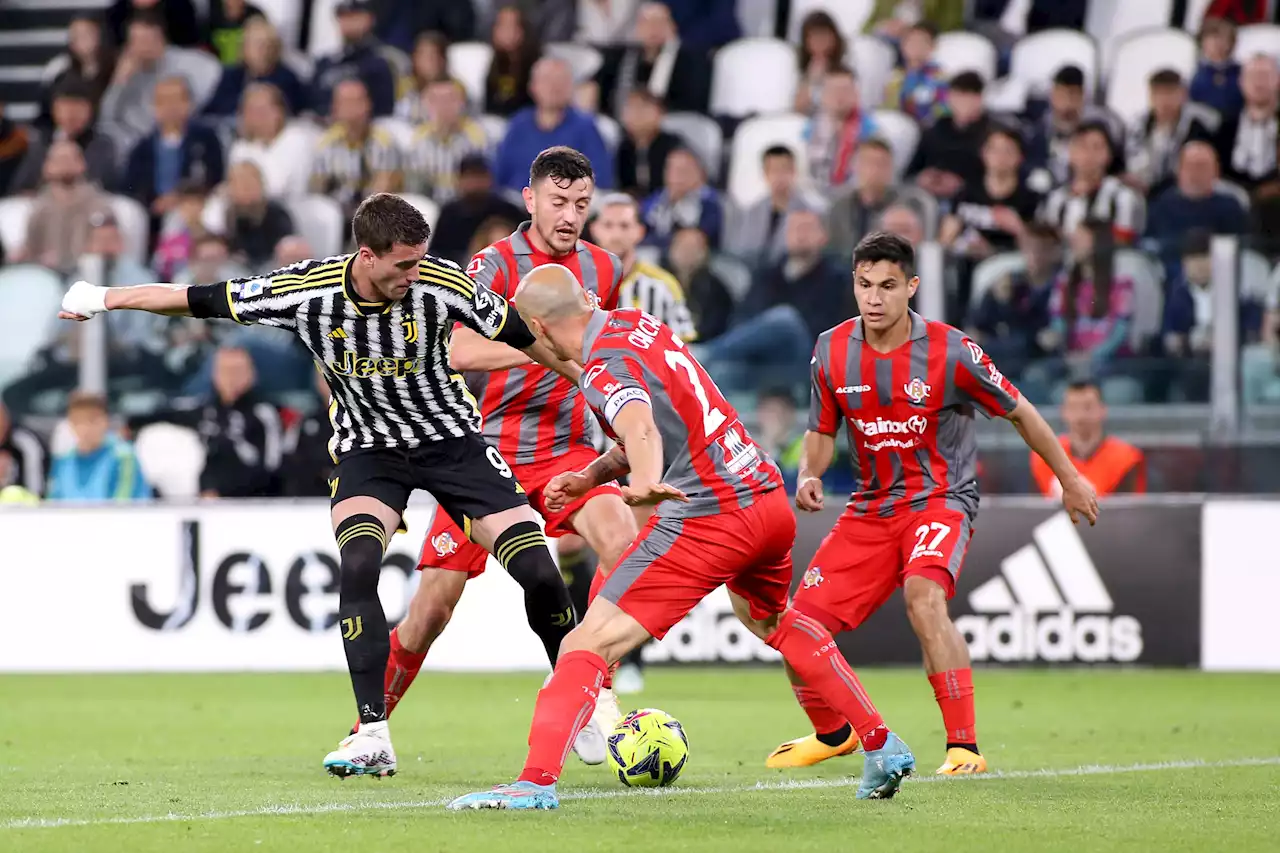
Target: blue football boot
<point>517,795</point>
<point>885,768</point>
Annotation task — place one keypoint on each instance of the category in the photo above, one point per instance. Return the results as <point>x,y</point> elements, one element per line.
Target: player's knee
<point>427,618</point>
<point>361,543</point>
<point>613,543</point>
<point>926,603</point>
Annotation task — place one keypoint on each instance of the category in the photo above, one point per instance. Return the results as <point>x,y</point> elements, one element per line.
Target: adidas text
<point>1055,637</point>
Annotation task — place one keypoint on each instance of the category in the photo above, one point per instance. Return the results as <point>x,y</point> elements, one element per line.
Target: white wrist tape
<point>85,299</point>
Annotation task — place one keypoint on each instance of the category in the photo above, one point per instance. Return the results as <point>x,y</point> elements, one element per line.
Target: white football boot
<point>367,752</point>
<point>590,744</point>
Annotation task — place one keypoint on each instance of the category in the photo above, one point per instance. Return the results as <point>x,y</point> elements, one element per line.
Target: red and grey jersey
<point>909,414</point>
<point>707,453</point>
<point>531,412</point>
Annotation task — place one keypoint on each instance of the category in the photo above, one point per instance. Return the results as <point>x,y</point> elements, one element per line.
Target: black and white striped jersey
<point>387,363</point>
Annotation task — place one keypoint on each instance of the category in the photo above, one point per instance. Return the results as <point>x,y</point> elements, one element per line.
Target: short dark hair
<point>561,164</point>
<point>1196,242</point>
<point>968,81</point>
<point>885,246</point>
<point>1085,384</point>
<point>778,151</point>
<point>382,220</point>
<point>147,18</point>
<point>74,86</point>
<point>781,393</point>
<point>1165,77</point>
<point>877,142</point>
<point>929,28</point>
<point>643,94</point>
<point>1069,75</point>
<point>1007,131</point>
<point>1092,126</point>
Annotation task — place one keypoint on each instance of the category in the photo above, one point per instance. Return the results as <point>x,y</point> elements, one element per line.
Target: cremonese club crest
<point>444,544</point>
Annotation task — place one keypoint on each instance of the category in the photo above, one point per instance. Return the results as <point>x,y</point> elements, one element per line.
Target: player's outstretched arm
<point>471,351</point>
<point>642,443</point>
<point>1078,496</point>
<point>542,354</point>
<point>816,453</point>
<point>84,300</point>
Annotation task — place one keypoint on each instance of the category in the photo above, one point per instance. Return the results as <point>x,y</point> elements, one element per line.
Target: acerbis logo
<point>1049,604</point>
<point>853,389</point>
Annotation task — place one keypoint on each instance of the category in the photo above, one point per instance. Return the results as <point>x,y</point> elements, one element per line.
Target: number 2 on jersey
<point>712,418</point>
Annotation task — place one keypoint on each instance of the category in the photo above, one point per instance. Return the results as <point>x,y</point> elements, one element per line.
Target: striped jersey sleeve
<point>272,299</point>
<point>824,411</point>
<point>479,308</point>
<point>976,377</point>
<point>488,269</point>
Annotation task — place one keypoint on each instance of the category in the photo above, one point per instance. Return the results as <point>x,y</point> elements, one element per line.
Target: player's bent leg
<point>947,662</point>
<point>430,610</point>
<point>362,527</point>
<point>564,707</point>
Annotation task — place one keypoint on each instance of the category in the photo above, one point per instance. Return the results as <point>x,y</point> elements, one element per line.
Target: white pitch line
<point>608,794</point>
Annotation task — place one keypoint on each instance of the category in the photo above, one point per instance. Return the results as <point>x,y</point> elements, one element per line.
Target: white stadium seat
<point>286,15</point>
<point>872,60</point>
<point>135,226</point>
<point>401,131</point>
<point>702,134</point>
<point>321,221</point>
<point>584,59</point>
<point>469,65</point>
<point>425,205</point>
<point>1111,23</point>
<point>495,127</point>
<point>754,76</point>
<point>1137,58</point>
<point>1196,10</point>
<point>901,132</point>
<point>610,131</point>
<point>746,175</point>
<point>991,270</point>
<point>1148,294</point>
<point>205,72</point>
<point>14,213</point>
<point>1036,58</point>
<point>850,15</point>
<point>961,51</point>
<point>171,458</point>
<point>757,18</point>
<point>31,296</point>
<point>324,37</point>
<point>1258,38</point>
<point>1255,276</point>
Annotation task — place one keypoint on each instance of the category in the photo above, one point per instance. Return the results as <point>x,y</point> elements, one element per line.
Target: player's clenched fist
<point>809,495</point>
<point>564,489</point>
<point>652,494</point>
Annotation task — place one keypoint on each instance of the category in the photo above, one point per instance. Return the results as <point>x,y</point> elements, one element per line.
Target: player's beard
<point>561,242</point>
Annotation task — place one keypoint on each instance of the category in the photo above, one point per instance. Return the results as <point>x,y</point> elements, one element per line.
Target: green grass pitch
<point>1115,760</point>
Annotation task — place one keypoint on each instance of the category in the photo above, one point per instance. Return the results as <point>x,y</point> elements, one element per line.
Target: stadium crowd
<point>741,150</point>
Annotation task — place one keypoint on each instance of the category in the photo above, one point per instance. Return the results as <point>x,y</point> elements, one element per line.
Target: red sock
<point>564,707</point>
<point>402,669</point>
<point>824,718</point>
<point>597,581</point>
<point>953,689</point>
<point>808,647</point>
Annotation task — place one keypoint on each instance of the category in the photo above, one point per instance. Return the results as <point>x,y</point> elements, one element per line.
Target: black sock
<point>972,747</point>
<point>522,550</point>
<point>578,568</point>
<point>836,738</point>
<point>365,637</point>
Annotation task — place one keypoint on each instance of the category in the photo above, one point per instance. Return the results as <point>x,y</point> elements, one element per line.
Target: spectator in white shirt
<point>282,152</point>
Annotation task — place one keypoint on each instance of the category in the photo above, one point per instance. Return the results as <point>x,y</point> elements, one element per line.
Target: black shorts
<point>467,477</point>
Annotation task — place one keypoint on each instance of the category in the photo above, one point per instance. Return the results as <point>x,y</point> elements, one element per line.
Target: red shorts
<point>865,558</point>
<point>447,547</point>
<point>676,562</point>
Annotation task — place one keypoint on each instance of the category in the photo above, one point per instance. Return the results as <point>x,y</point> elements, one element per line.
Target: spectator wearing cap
<point>178,149</point>
<point>128,106</point>
<point>833,134</point>
<point>949,156</point>
<point>440,143</point>
<point>474,203</point>
<point>361,57</point>
<point>685,200</point>
<point>645,146</point>
<point>549,122</point>
<point>281,150</point>
<point>72,112</point>
<point>101,466</point>
<point>758,233</point>
<point>659,63</point>
<point>259,63</point>
<point>1049,136</point>
<point>1154,140</point>
<point>1193,204</point>
<point>1091,193</point>
<point>354,158</point>
<point>1216,83</point>
<point>1249,142</point>
<point>58,225</point>
<point>856,212</point>
<point>918,88</point>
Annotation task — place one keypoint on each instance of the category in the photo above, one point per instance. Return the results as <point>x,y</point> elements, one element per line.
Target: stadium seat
<point>963,51</point>
<point>401,131</point>
<point>319,219</point>
<point>324,36</point>
<point>1255,276</point>
<point>1036,58</point>
<point>753,76</point>
<point>584,59</point>
<point>873,61</point>
<point>1111,23</point>
<point>1148,295</point>
<point>206,71</point>
<point>171,458</point>
<point>31,296</point>
<point>991,270</point>
<point>1258,38</point>
<point>1196,10</point>
<point>495,127</point>
<point>850,15</point>
<point>758,18</point>
<point>135,226</point>
<point>703,135</point>
<point>299,63</point>
<point>610,131</point>
<point>469,65</point>
<point>286,15</point>
<point>901,132</point>
<point>1136,59</point>
<point>734,272</point>
<point>1236,191</point>
<point>746,175</point>
<point>429,209</point>
<point>14,213</point>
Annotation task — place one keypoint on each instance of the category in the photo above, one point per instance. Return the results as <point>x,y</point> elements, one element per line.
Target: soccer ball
<point>648,749</point>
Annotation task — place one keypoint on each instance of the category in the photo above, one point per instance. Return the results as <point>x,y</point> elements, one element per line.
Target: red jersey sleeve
<point>977,379</point>
<point>610,380</point>
<point>613,278</point>
<point>824,411</point>
<point>488,268</point>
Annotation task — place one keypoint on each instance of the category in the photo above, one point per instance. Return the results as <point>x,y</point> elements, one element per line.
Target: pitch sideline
<point>605,794</point>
